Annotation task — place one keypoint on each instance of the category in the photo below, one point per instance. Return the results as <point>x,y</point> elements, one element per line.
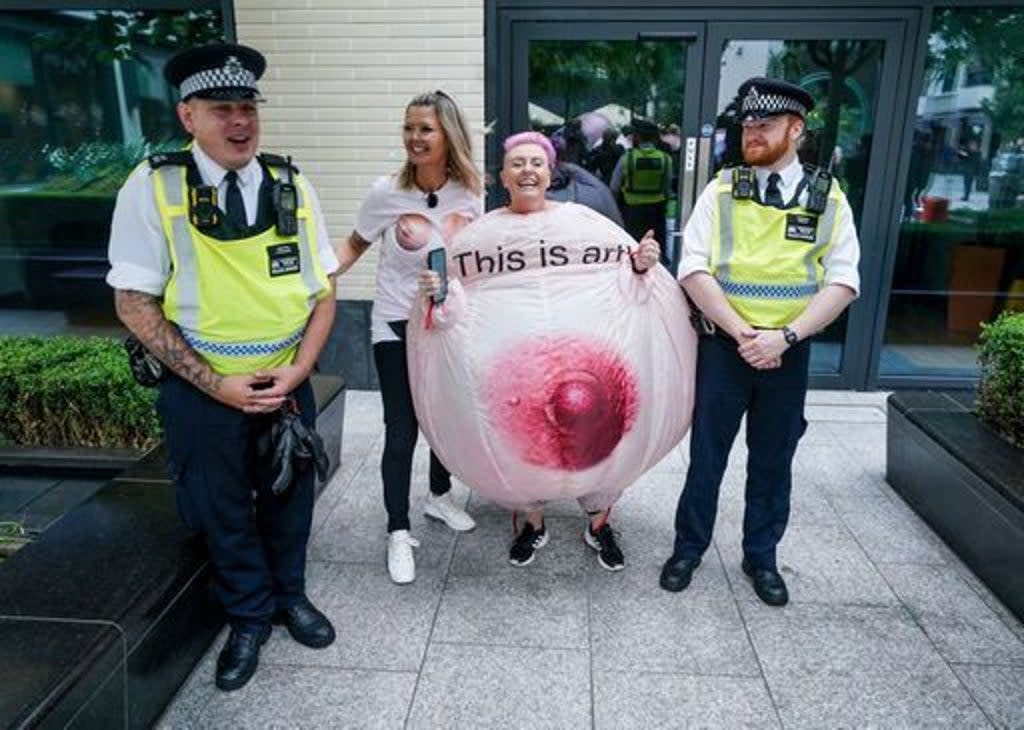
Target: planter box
<point>104,617</point>
<point>965,481</point>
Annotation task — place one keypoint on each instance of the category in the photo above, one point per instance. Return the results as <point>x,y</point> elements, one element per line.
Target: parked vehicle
<point>1006,180</point>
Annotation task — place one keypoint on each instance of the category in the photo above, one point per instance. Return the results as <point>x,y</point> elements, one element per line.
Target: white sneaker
<point>442,508</point>
<point>401,563</point>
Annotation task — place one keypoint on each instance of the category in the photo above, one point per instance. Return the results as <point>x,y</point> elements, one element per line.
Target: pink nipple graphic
<point>562,402</point>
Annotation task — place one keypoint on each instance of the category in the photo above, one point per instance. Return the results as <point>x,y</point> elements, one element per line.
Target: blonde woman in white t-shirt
<point>435,193</point>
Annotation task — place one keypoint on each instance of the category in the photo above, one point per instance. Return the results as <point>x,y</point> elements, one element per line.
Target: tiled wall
<point>340,73</point>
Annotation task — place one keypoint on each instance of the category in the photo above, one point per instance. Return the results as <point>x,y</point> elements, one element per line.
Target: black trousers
<point>401,429</point>
<point>638,219</point>
<point>773,401</point>
<point>257,541</point>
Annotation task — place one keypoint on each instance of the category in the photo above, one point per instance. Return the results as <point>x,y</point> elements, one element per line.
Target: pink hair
<point>531,138</point>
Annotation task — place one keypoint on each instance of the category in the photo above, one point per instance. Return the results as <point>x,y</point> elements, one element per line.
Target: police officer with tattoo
<point>770,257</point>
<point>223,270</point>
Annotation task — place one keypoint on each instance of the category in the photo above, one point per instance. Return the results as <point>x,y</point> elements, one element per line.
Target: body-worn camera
<point>202,206</point>
<point>818,184</point>
<point>744,183</point>
<point>286,204</point>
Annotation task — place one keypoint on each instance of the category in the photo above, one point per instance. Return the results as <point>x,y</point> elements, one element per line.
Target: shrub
<point>1001,391</point>
<point>66,391</point>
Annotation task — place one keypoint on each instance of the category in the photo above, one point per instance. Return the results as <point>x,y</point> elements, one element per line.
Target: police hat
<point>761,97</point>
<point>222,71</point>
<point>645,128</point>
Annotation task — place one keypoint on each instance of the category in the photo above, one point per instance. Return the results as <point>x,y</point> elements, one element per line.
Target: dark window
<point>960,261</point>
<point>82,101</point>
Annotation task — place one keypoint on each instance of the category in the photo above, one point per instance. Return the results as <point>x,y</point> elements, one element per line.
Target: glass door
<point>598,89</point>
<point>590,82</point>
<point>851,70</point>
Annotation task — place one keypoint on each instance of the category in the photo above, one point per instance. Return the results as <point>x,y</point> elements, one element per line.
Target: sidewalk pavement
<point>886,627</point>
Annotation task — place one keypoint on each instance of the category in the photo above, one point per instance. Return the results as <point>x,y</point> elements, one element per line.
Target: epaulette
<point>272,160</point>
<point>183,158</point>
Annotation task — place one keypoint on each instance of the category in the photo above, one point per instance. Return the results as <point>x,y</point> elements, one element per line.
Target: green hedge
<point>1001,392</point>
<point>67,391</point>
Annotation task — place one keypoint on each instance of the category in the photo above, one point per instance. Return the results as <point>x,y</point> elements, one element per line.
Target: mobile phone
<point>437,260</point>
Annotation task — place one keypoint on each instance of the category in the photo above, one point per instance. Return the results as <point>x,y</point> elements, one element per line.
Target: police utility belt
<point>205,214</point>
<point>816,181</point>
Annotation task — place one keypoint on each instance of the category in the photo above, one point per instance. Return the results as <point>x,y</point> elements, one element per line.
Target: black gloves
<point>288,445</point>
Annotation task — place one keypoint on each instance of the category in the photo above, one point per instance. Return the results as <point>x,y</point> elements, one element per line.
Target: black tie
<point>234,206</point>
<point>772,194</point>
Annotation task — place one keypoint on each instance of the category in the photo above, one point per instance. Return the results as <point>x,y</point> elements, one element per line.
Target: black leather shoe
<point>768,584</point>
<point>240,656</point>
<point>307,625</point>
<point>676,574</point>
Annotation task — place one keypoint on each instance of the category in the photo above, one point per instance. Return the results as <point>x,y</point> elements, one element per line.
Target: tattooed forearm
<point>142,315</point>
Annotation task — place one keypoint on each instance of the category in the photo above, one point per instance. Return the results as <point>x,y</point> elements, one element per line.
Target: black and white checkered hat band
<point>228,77</point>
<point>768,104</point>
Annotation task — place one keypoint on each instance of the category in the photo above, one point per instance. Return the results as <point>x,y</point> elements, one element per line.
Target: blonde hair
<point>460,146</point>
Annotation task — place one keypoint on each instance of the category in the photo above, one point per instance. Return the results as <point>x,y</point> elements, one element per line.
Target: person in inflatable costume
<point>556,366</point>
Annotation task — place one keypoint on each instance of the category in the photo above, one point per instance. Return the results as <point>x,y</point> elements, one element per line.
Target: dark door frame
<point>899,28</point>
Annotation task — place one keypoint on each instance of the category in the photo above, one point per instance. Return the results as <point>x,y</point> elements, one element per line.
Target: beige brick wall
<point>340,73</point>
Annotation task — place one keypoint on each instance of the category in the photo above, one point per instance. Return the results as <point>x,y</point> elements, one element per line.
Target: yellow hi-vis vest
<point>768,260</point>
<point>241,304</point>
<point>646,170</point>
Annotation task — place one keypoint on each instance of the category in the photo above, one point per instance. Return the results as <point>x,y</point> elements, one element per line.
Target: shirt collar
<point>790,174</point>
<point>214,174</point>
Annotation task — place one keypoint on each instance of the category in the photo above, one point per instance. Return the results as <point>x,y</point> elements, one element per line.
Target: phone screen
<point>437,260</point>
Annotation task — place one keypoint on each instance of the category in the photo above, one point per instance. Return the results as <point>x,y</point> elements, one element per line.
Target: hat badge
<point>233,66</point>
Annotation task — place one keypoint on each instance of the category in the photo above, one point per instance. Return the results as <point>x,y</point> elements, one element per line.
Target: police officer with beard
<point>224,271</point>
<point>770,257</point>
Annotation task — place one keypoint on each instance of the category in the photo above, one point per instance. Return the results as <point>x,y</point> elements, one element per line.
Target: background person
<point>435,193</point>
<point>643,180</point>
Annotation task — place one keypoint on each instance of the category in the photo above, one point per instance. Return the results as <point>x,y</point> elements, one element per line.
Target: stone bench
<point>104,616</point>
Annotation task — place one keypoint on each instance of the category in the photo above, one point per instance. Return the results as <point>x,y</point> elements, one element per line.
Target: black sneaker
<point>526,544</point>
<point>603,541</point>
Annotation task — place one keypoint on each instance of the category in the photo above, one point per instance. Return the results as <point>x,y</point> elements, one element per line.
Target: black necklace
<point>431,199</point>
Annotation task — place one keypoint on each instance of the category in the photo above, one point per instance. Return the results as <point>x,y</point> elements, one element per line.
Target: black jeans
<point>400,432</point>
<point>638,219</point>
<point>257,547</point>
<point>773,401</point>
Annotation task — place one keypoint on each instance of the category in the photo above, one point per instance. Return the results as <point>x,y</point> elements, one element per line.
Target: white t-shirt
<point>408,229</point>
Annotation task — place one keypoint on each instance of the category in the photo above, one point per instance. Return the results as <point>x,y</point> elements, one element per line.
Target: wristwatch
<point>790,336</point>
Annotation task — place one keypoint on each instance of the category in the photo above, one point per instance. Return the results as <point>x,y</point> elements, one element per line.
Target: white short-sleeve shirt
<point>407,229</point>
<point>840,262</point>
<point>138,252</point>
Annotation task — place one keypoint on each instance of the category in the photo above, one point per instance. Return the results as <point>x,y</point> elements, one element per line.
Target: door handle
<point>687,180</point>
<point>704,161</point>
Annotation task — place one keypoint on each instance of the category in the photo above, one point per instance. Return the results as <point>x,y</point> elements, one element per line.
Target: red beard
<point>764,155</point>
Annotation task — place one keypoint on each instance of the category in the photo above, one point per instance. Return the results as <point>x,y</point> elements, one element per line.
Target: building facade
<point>920,117</point>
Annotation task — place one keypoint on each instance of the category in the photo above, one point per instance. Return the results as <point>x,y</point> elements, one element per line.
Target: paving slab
<point>886,627</point>
<point>856,666</point>
<point>626,700</point>
<point>468,686</point>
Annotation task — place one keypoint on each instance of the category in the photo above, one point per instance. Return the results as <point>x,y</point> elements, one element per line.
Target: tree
<point>993,38</point>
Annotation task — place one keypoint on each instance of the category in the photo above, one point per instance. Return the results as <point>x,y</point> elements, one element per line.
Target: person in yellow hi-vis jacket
<point>223,269</point>
<point>770,257</point>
